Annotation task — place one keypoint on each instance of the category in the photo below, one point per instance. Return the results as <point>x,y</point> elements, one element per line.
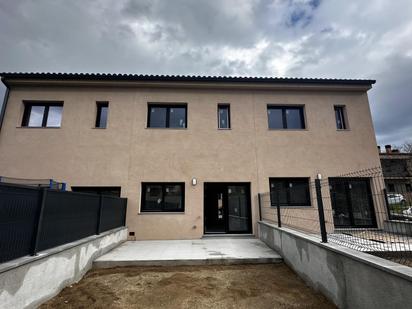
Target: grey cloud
<point>302,38</point>
<point>391,102</point>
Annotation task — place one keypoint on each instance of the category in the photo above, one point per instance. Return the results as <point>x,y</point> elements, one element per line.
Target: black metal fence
<point>34,219</point>
<point>355,210</point>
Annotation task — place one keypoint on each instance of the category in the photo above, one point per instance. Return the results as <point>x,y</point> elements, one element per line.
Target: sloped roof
<point>179,78</point>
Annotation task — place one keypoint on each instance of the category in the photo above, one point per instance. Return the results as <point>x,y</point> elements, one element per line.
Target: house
<point>190,153</point>
<point>397,170</point>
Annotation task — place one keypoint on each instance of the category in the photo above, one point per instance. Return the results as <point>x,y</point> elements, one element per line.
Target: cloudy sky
<point>293,38</point>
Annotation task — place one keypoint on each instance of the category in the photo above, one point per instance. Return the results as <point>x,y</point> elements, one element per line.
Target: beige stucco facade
<point>128,153</point>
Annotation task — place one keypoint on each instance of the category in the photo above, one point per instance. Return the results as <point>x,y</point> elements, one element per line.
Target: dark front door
<point>227,208</point>
<point>352,202</point>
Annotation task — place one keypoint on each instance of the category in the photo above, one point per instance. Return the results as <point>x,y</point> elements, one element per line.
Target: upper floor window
<point>223,116</point>
<point>102,113</point>
<point>167,116</point>
<point>289,191</point>
<point>286,117</point>
<point>42,114</point>
<point>162,197</point>
<point>340,116</point>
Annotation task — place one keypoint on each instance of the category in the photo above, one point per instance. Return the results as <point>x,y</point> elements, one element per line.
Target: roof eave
<point>181,83</point>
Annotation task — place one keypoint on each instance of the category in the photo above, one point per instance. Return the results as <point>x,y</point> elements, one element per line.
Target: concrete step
<point>224,235</point>
<point>209,251</point>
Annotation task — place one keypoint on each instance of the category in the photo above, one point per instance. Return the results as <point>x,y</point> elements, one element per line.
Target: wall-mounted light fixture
<point>194,181</point>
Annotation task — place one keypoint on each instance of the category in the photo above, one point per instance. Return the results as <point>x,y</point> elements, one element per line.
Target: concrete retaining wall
<point>401,227</point>
<point>349,278</point>
<point>29,281</point>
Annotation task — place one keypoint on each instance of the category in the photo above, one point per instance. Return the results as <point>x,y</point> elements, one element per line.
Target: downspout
<point>3,107</point>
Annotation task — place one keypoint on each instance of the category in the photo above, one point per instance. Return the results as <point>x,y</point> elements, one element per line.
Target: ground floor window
<point>289,191</point>
<point>162,197</point>
<point>352,202</point>
<point>114,191</point>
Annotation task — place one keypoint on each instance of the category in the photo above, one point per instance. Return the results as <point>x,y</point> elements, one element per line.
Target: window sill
<point>99,128</point>
<point>179,129</point>
<point>288,129</point>
<point>225,129</point>
<point>161,213</point>
<point>20,127</point>
<point>342,130</point>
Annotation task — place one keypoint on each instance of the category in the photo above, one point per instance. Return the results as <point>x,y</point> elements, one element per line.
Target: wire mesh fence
<point>353,210</point>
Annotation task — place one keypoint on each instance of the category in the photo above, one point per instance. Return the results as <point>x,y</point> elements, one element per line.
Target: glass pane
<point>157,117</point>
<point>361,203</point>
<point>294,119</point>
<point>55,116</point>
<point>279,190</point>
<point>36,116</point>
<point>340,203</point>
<point>238,210</point>
<point>177,117</point>
<point>340,123</point>
<point>103,116</point>
<point>223,117</point>
<point>173,199</point>
<point>299,193</point>
<point>275,118</point>
<point>153,198</point>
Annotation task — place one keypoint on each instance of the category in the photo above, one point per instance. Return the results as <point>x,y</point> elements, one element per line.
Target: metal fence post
<point>387,204</point>
<point>99,215</point>
<point>124,211</point>
<point>278,205</point>
<point>260,206</point>
<point>320,209</point>
<point>38,226</point>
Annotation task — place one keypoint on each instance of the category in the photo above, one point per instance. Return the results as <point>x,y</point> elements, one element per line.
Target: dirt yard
<point>236,286</point>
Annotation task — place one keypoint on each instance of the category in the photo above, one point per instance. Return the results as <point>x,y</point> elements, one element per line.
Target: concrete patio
<point>189,252</point>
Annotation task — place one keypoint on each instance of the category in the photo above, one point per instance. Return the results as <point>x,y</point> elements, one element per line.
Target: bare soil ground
<point>235,286</point>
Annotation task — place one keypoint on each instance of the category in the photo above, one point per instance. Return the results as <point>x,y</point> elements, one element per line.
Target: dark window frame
<point>341,110</point>
<point>163,185</point>
<point>101,190</point>
<point>28,104</point>
<point>229,122</point>
<point>100,105</point>
<point>168,106</point>
<point>305,180</point>
<point>284,108</point>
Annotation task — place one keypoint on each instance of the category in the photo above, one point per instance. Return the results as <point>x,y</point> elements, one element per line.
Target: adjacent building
<point>397,171</point>
<point>190,153</point>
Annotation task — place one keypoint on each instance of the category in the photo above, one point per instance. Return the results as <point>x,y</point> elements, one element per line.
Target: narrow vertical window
<point>101,116</point>
<point>223,116</point>
<point>340,117</point>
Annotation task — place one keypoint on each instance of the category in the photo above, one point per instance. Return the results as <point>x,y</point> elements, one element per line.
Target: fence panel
<point>68,216</point>
<point>361,211</point>
<point>113,212</point>
<point>303,218</point>
<point>34,219</point>
<point>18,217</point>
